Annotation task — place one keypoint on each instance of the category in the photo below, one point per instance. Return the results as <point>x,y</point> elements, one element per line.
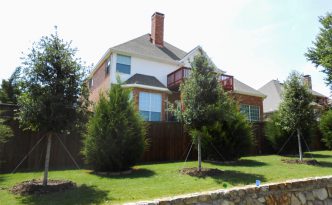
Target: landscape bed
<point>157,180</point>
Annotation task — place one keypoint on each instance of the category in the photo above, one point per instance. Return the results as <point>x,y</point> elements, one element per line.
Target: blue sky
<point>254,40</point>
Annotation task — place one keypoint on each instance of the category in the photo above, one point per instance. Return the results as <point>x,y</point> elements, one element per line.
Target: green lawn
<point>160,180</point>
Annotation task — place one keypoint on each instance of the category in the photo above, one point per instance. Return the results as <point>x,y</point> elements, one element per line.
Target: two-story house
<point>274,90</point>
<point>154,69</point>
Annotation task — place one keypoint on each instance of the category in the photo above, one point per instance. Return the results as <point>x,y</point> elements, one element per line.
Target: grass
<point>162,179</point>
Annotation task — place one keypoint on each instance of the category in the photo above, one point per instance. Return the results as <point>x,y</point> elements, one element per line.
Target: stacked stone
<point>309,191</point>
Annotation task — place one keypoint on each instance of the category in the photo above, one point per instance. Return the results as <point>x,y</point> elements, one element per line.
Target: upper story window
<point>123,64</point>
<point>150,106</point>
<point>108,67</point>
<point>251,112</point>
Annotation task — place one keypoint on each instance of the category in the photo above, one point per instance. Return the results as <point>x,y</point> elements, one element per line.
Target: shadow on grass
<point>136,173</point>
<point>82,195</point>
<point>316,156</point>
<point>236,178</point>
<point>240,163</point>
<point>324,164</point>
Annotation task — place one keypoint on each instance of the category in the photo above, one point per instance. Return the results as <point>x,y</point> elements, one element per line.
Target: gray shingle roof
<point>142,46</point>
<point>273,90</point>
<point>242,88</point>
<point>144,80</point>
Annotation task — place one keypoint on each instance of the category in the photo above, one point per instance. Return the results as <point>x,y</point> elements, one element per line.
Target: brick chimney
<point>157,29</point>
<point>307,81</point>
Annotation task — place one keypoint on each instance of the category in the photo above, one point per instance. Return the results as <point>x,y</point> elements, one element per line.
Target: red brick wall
<point>157,29</point>
<point>101,83</point>
<point>164,95</point>
<point>250,100</point>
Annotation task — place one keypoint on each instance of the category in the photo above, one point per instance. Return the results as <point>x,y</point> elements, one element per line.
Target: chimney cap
<point>307,76</point>
<point>157,13</point>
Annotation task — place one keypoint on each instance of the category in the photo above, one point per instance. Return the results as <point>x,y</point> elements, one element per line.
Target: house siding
<point>101,83</point>
<point>250,100</point>
<point>145,67</point>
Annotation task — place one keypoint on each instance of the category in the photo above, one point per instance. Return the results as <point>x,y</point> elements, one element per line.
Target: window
<point>123,64</point>
<point>108,67</point>
<point>251,112</point>
<point>150,106</point>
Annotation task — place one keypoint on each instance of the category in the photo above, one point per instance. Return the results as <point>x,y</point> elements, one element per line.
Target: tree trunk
<point>299,142</point>
<point>47,158</point>
<point>199,154</point>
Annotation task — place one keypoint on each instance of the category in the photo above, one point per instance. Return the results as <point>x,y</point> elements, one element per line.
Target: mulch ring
<point>35,187</point>
<point>297,161</point>
<point>193,171</point>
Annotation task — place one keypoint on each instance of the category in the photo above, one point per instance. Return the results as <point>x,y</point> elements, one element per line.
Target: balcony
<point>227,82</point>
<point>175,78</point>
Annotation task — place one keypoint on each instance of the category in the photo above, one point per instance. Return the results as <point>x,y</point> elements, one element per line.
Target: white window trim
<point>259,112</point>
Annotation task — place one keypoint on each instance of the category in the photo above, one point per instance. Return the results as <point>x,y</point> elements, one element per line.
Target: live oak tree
<point>54,97</point>
<point>321,52</point>
<point>295,111</point>
<point>200,93</point>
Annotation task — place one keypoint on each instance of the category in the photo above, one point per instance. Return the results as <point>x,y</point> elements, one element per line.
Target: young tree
<point>115,137</point>
<point>54,96</point>
<point>199,94</point>
<point>321,53</point>
<point>295,110</point>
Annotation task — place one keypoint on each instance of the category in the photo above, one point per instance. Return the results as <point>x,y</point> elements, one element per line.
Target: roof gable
<point>189,57</point>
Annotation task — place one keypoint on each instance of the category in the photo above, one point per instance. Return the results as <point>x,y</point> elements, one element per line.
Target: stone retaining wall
<point>309,191</point>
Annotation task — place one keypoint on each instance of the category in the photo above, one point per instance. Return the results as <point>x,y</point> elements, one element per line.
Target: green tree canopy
<point>200,93</point>
<point>230,135</point>
<point>296,114</point>
<point>115,138</point>
<point>10,89</point>
<point>5,131</point>
<point>295,109</point>
<point>325,126</point>
<point>54,97</point>
<point>321,52</point>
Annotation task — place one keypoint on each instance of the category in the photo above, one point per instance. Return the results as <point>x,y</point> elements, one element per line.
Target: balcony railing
<point>227,82</point>
<point>175,78</point>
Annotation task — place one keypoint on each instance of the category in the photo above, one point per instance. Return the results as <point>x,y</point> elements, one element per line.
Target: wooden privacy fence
<point>168,141</point>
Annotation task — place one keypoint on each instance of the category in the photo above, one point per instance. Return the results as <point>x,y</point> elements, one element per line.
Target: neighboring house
<point>154,70</point>
<point>274,89</point>
<point>250,101</point>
